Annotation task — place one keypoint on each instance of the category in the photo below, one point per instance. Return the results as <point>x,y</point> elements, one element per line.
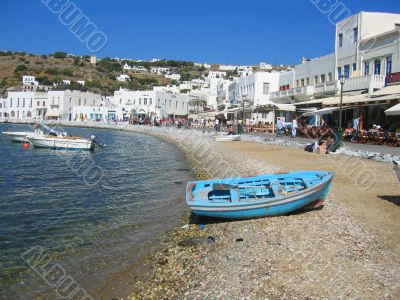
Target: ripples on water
<point>91,230</point>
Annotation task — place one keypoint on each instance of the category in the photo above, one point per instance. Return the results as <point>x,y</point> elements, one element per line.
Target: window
<point>377,67</point>
<point>339,72</point>
<point>30,103</point>
<point>297,83</point>
<point>44,103</point>
<point>140,101</point>
<point>308,81</point>
<point>340,40</point>
<point>134,101</point>
<point>84,102</point>
<point>11,102</point>
<point>120,101</point>
<point>346,71</point>
<point>18,102</point>
<point>165,102</point>
<point>355,34</point>
<point>302,82</point>
<point>315,79</point>
<point>151,101</point>
<point>70,100</point>
<point>93,102</point>
<point>388,65</point>
<point>170,101</point>
<point>144,101</point>
<point>354,67</point>
<point>265,88</point>
<point>176,104</point>
<point>183,104</point>
<point>158,102</point>
<point>23,102</point>
<point>37,103</point>
<point>366,68</point>
<point>323,78</point>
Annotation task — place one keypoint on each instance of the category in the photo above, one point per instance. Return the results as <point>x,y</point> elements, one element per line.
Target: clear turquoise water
<point>93,212</point>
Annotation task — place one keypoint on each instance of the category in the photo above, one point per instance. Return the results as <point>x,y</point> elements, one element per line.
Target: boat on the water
<point>261,196</point>
<point>17,136</point>
<point>397,168</point>
<point>226,137</point>
<point>61,142</point>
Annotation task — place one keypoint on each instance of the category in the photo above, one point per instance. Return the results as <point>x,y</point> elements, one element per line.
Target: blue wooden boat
<point>254,197</point>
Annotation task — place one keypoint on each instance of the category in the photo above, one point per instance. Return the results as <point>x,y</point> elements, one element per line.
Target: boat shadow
<point>391,198</point>
<point>202,220</point>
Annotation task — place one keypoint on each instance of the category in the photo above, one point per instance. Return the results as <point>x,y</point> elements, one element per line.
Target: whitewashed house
<point>123,77</point>
<point>29,80</point>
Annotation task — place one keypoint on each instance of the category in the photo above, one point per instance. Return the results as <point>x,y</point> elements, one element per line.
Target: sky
<point>213,31</point>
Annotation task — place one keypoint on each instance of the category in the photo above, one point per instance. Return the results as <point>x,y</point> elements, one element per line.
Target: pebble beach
<point>349,249</point>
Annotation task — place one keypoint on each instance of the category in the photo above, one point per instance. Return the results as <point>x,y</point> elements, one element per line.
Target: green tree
<point>60,55</point>
<point>20,68</point>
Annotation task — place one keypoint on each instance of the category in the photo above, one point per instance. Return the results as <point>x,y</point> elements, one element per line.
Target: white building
<point>127,67</point>
<point>216,74</point>
<point>29,80</point>
<point>227,68</point>
<point>159,70</point>
<point>256,88</point>
<point>81,82</point>
<point>66,81</point>
<point>173,76</point>
<point>151,103</point>
<point>352,32</point>
<point>123,77</point>
<point>24,105</point>
<point>265,66</point>
<point>60,103</point>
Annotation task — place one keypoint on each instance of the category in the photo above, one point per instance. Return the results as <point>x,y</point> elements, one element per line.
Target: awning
<point>278,106</point>
<point>387,90</point>
<point>52,114</point>
<point>325,111</point>
<point>393,111</point>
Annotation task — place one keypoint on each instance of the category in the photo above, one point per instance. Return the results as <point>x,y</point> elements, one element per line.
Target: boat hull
<point>227,138</point>
<point>16,136</point>
<point>312,197</point>
<point>59,143</point>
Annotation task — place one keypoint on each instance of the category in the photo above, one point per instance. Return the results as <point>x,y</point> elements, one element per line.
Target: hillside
<point>100,78</point>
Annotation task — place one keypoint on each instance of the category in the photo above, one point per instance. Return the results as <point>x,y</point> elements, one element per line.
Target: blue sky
<point>213,31</point>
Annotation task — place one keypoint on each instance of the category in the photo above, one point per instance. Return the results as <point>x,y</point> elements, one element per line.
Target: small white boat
<point>17,136</point>
<point>225,137</point>
<point>45,137</point>
<point>61,142</point>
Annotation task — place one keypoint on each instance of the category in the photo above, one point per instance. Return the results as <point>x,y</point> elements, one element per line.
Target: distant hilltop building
<point>93,59</point>
<point>265,66</point>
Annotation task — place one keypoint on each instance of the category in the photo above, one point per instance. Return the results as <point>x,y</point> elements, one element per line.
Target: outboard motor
<point>93,138</point>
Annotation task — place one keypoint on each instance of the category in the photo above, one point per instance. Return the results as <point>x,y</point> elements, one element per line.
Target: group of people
<point>281,128</point>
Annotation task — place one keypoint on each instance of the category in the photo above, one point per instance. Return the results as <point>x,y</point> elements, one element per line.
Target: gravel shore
<point>349,249</point>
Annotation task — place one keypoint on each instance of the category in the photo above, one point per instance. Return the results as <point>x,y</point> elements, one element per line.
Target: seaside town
<point>365,63</point>
<point>203,180</point>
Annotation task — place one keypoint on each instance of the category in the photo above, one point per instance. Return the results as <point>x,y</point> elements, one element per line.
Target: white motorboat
<point>45,137</point>
<point>17,136</point>
<point>61,142</point>
<point>226,137</point>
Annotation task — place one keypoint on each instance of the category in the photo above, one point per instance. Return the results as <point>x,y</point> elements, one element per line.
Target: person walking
<point>216,124</point>
<point>356,124</point>
<point>294,128</point>
<point>279,127</point>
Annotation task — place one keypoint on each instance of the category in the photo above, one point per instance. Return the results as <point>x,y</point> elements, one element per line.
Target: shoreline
<point>359,249</point>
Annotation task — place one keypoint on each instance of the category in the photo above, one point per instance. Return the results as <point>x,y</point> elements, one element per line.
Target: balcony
<point>393,78</point>
<point>297,94</point>
<point>326,89</point>
<point>369,82</point>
